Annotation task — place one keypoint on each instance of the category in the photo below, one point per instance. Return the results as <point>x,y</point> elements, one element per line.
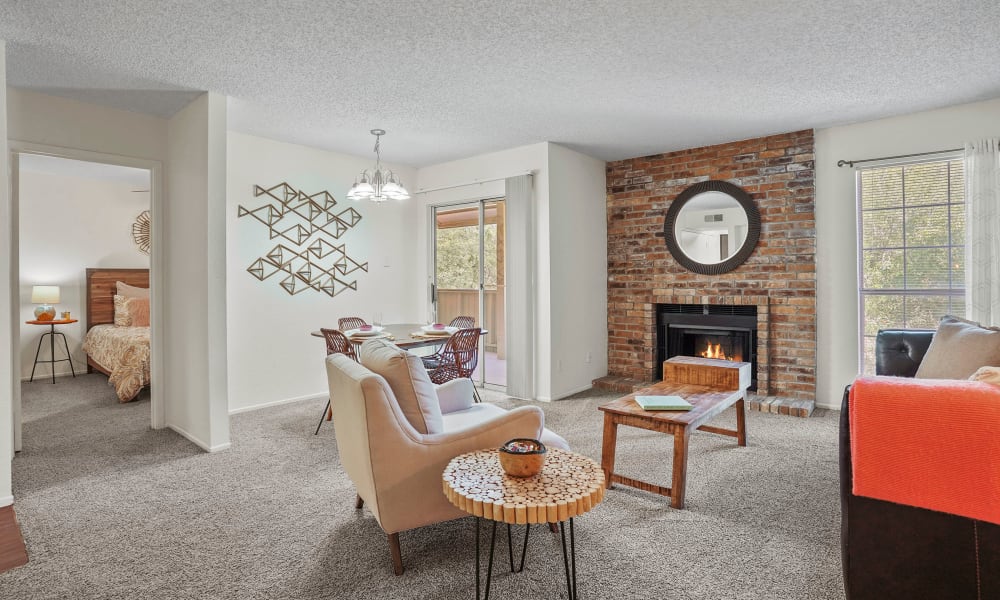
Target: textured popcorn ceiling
<point>450,79</point>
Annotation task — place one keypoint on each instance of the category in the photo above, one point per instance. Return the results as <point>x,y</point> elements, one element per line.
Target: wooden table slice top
<point>707,402</point>
<point>568,486</point>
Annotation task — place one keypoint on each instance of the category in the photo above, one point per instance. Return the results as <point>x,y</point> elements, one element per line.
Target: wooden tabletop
<point>53,322</point>
<point>707,402</point>
<point>401,334</point>
<point>568,486</point>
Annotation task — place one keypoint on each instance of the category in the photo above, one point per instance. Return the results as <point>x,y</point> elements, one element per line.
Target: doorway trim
<point>156,206</point>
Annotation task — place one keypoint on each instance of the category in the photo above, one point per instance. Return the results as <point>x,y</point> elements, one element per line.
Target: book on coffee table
<point>663,403</point>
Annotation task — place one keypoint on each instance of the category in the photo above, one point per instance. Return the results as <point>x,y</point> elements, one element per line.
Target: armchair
<point>396,432</point>
<point>894,551</point>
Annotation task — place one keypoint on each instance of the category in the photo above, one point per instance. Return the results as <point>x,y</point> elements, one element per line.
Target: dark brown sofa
<point>894,551</point>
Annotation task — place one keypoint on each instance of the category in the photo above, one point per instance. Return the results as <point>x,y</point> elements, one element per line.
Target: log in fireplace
<point>710,330</point>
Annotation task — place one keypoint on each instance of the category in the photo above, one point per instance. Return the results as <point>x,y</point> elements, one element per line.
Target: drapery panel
<point>982,177</point>
<point>519,277</point>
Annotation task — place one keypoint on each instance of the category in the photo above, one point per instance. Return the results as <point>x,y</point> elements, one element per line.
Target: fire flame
<point>714,352</point>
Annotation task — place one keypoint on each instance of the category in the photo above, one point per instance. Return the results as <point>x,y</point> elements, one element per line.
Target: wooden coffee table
<point>710,385</point>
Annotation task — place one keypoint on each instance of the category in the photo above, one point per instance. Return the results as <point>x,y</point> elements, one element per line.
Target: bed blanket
<point>123,352</point>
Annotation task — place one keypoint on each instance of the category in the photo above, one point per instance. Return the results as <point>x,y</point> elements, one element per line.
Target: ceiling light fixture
<point>380,185</point>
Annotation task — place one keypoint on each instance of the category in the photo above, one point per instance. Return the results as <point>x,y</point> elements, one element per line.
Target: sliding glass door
<point>468,278</point>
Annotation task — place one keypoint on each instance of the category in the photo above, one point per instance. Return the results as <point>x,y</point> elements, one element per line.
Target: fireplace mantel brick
<point>779,277</point>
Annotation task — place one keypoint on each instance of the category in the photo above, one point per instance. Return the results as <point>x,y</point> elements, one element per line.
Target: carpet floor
<point>112,509</point>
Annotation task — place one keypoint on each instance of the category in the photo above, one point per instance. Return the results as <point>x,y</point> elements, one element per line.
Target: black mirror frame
<point>749,244</point>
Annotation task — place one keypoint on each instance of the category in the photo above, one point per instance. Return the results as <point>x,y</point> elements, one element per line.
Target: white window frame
<point>923,158</point>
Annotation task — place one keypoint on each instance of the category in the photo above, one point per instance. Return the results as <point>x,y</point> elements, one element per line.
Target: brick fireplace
<point>778,280</point>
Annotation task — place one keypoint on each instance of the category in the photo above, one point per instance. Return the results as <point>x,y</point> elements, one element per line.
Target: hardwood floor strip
<point>12,551</point>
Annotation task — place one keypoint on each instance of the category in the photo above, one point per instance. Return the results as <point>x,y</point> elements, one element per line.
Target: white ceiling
<point>53,165</point>
<point>454,78</point>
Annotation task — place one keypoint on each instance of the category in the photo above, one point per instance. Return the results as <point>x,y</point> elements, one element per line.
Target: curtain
<point>519,279</point>
<point>982,245</point>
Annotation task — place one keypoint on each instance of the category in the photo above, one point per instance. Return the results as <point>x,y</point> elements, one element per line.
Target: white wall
<point>43,119</point>
<point>578,251</point>
<point>8,309</point>
<point>836,219</point>
<point>570,253</point>
<point>194,273</point>
<point>69,224</point>
<point>272,357</point>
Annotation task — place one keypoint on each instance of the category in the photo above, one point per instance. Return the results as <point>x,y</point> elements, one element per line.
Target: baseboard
<point>6,500</point>
<point>43,377</point>
<point>575,391</point>
<point>236,411</point>
<point>828,406</point>
<point>198,442</point>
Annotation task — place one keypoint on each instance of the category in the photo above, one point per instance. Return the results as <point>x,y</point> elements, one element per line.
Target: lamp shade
<point>45,294</point>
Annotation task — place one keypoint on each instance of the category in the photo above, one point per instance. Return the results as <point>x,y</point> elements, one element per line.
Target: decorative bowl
<point>522,457</point>
<point>365,328</point>
<point>438,326</point>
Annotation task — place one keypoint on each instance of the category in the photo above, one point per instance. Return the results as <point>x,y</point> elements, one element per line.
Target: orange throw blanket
<point>929,443</point>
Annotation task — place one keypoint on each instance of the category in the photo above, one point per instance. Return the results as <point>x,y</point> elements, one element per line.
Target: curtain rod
<point>851,163</point>
<point>473,182</point>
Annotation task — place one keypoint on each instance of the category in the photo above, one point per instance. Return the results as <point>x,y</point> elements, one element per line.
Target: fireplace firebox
<point>725,332</point>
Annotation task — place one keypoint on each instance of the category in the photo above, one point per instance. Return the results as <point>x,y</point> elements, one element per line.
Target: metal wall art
<point>306,258</point>
<point>140,232</point>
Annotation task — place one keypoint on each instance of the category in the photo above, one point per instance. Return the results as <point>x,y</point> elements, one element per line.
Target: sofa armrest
<point>898,352</point>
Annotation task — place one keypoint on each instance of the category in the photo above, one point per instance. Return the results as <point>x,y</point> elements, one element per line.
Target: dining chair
<point>336,343</point>
<point>463,322</point>
<point>349,323</point>
<point>458,358</point>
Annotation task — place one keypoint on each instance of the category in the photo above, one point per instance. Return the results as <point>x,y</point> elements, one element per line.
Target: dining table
<point>404,335</point>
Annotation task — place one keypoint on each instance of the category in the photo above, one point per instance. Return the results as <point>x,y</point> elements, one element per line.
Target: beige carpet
<point>111,509</point>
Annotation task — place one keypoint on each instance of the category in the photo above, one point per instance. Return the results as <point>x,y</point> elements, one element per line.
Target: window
<point>912,247</point>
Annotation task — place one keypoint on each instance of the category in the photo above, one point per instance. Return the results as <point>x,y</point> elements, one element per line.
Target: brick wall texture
<point>780,275</point>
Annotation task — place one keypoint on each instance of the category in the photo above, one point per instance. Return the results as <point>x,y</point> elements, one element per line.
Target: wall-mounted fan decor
<point>140,232</point>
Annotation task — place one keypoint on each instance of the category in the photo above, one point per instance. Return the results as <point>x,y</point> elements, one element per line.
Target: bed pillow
<point>959,348</point>
<point>131,312</point>
<point>130,291</point>
<point>406,375</point>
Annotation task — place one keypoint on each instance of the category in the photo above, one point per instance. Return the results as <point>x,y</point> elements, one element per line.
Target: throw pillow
<point>138,310</point>
<point>959,348</point>
<point>987,375</point>
<point>130,291</point>
<point>131,312</point>
<point>408,379</point>
<point>122,318</point>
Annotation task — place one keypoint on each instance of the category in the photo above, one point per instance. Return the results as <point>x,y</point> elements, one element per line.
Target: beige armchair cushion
<point>408,379</point>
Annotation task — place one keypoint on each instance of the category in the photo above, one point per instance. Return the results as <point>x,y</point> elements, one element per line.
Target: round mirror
<point>712,227</point>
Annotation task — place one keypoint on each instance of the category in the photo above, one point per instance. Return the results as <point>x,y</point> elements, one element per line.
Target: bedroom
<point>82,227</point>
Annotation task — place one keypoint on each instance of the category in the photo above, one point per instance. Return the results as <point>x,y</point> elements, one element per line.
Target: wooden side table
<point>568,486</point>
<point>52,333</point>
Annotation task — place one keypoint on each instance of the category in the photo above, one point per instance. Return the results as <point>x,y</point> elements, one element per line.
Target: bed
<point>121,353</point>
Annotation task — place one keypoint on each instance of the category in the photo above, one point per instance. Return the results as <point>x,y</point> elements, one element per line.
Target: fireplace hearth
<point>724,332</point>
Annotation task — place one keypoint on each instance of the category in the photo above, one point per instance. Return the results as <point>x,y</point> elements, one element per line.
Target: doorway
<point>72,284</point>
<point>468,278</point>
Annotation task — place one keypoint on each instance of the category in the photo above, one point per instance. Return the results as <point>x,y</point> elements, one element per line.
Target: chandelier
<point>379,185</point>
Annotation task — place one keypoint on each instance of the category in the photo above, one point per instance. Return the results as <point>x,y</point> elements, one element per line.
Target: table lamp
<point>45,296</point>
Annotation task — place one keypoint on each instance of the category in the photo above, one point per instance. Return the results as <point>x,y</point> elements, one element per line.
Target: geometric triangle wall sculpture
<point>306,227</point>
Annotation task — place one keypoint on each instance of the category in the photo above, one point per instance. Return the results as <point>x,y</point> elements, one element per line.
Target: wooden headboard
<point>101,292</point>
